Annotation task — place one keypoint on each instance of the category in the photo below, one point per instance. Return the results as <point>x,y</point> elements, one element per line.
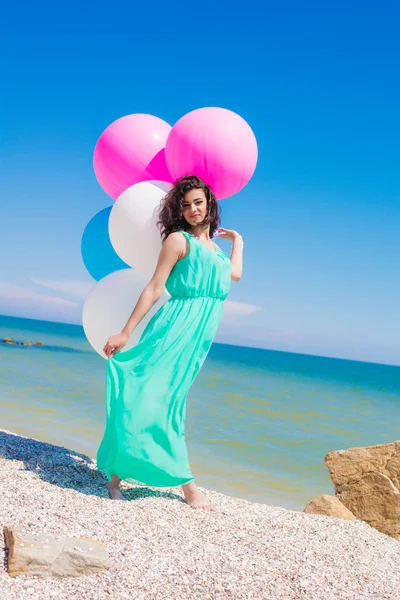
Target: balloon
<point>109,305</point>
<point>98,255</point>
<point>132,225</point>
<point>130,150</point>
<point>215,144</point>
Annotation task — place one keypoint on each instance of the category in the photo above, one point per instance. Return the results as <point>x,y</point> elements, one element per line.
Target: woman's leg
<point>194,497</point>
<point>113,488</point>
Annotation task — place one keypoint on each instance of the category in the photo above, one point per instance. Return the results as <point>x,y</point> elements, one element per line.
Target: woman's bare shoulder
<point>175,241</point>
<point>175,237</point>
<point>175,244</point>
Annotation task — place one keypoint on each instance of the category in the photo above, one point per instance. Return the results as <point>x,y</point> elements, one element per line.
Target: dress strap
<point>187,236</point>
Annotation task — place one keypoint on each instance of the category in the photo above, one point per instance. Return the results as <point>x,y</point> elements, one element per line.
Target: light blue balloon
<point>98,255</point>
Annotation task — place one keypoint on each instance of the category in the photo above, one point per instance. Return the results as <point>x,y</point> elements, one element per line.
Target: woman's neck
<point>201,233</point>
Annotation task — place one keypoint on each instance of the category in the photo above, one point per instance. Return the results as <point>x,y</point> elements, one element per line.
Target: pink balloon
<point>131,150</point>
<point>215,144</point>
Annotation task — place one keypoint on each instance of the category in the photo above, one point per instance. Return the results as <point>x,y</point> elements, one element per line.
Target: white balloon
<point>110,304</point>
<point>132,227</point>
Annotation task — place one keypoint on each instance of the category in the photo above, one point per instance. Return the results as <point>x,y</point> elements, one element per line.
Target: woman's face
<point>194,207</point>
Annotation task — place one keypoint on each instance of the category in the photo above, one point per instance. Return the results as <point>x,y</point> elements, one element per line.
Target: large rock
<point>45,555</point>
<point>330,506</point>
<point>367,482</point>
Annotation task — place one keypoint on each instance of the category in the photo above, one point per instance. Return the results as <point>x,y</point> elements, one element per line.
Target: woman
<point>146,386</point>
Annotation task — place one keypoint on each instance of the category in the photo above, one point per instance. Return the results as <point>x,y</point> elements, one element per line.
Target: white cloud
<point>20,301</point>
<point>239,309</point>
<point>235,327</point>
<point>76,288</point>
<point>243,333</point>
<point>253,334</point>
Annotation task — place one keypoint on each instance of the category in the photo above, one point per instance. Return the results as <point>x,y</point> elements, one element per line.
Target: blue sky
<point>319,86</point>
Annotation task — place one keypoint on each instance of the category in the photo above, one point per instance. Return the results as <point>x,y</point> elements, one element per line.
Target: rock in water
<point>367,482</point>
<point>330,506</point>
<point>45,555</point>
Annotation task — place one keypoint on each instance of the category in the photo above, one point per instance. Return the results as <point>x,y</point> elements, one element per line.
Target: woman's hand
<point>228,234</point>
<point>115,343</point>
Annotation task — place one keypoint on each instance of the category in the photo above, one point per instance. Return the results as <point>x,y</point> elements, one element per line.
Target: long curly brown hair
<point>170,213</point>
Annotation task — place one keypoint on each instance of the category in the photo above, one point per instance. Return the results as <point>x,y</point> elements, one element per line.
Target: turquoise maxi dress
<point>146,386</point>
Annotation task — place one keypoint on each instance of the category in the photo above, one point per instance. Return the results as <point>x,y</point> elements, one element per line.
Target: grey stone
<point>46,555</point>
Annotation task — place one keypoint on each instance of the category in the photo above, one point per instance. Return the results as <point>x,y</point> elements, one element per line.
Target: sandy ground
<point>160,548</point>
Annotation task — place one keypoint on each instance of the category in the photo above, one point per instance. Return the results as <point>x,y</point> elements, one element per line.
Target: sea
<point>259,422</point>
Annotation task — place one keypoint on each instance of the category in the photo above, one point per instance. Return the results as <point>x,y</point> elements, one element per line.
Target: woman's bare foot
<point>113,489</point>
<point>195,498</point>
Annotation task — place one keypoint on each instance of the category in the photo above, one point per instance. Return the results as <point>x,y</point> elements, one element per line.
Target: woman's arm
<point>237,258</point>
<point>173,249</point>
<point>237,251</point>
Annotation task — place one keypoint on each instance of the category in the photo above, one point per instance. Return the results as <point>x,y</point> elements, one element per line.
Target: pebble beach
<point>160,548</point>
